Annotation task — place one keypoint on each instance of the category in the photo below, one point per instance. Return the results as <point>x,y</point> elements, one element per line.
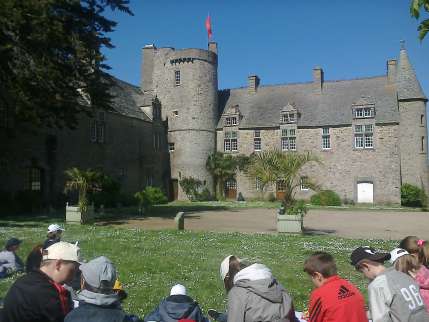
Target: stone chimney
<point>318,79</point>
<point>391,70</point>
<point>147,68</point>
<point>253,83</point>
<point>213,47</point>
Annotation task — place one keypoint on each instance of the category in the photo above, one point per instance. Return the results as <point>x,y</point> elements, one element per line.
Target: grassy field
<point>149,263</point>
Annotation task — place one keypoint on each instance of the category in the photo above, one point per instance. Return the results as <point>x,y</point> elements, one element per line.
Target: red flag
<point>209,27</point>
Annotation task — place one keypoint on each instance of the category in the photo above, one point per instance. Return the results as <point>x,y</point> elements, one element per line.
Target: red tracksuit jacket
<point>337,300</point>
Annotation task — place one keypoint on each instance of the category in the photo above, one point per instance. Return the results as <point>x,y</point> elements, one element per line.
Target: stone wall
<point>127,155</point>
<point>343,165</point>
<point>414,164</point>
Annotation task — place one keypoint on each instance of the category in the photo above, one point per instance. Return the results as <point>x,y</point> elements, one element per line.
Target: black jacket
<point>95,313</point>
<point>175,308</point>
<point>36,298</point>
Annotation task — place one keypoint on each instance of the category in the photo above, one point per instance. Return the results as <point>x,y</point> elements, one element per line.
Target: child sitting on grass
<point>334,299</point>
<point>393,295</point>
<point>404,262</point>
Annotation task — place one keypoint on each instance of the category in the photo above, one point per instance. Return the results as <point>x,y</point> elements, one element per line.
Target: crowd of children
<point>58,287</point>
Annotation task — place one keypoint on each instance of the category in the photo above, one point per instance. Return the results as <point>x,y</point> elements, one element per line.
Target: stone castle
<point>370,133</point>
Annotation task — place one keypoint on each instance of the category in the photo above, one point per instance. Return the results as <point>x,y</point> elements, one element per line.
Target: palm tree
<point>273,165</point>
<point>83,181</point>
<point>222,167</point>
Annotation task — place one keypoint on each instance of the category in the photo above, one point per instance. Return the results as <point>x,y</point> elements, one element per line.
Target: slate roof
<point>408,85</point>
<point>127,99</point>
<point>333,107</point>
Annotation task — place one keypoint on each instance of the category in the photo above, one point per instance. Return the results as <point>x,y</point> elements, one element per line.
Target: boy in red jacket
<point>334,298</point>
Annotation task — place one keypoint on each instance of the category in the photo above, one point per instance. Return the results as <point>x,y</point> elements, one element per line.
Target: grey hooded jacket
<point>258,297</point>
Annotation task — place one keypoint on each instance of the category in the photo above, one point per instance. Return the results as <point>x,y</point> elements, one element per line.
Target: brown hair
<point>235,265</point>
<point>424,253</point>
<point>34,259</point>
<point>410,244</point>
<point>322,263</point>
<point>406,264</point>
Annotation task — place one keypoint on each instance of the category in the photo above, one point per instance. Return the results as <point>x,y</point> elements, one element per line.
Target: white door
<point>365,192</point>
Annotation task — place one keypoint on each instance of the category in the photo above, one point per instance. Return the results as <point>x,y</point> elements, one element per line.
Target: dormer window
<point>231,121</point>
<point>363,112</point>
<point>288,117</point>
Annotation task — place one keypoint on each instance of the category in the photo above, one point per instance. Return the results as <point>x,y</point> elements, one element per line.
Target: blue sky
<point>278,40</point>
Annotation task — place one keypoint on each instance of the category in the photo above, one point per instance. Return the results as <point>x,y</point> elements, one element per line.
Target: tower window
<point>171,147</point>
<point>422,119</point>
<point>423,144</point>
<point>177,77</point>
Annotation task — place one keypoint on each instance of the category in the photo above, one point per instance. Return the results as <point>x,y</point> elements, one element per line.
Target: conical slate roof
<point>408,86</point>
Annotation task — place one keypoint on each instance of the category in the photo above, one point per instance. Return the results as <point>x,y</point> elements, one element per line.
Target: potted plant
<point>273,165</point>
<point>83,181</point>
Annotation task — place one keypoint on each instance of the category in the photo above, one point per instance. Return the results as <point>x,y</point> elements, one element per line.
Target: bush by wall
<point>413,196</point>
<point>150,196</point>
<point>326,198</point>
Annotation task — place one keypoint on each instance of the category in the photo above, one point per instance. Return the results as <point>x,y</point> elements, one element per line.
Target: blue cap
<point>13,242</point>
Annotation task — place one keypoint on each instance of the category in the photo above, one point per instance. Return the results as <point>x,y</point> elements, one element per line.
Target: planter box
<point>289,224</point>
<point>75,216</point>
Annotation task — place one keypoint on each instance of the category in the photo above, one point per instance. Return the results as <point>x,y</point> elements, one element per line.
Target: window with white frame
<point>364,136</point>
<point>326,138</point>
<point>230,121</point>
<point>177,77</point>
<point>257,145</point>
<point>363,112</point>
<point>288,140</point>
<point>230,143</point>
<point>258,184</point>
<point>288,117</point>
<point>303,183</point>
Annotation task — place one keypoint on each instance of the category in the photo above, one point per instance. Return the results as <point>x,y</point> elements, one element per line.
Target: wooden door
<point>231,189</point>
<point>280,190</point>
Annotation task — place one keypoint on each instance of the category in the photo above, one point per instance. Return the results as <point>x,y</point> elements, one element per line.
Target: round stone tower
<point>185,83</point>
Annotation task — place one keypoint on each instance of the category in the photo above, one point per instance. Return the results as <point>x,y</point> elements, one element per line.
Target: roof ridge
<point>308,82</point>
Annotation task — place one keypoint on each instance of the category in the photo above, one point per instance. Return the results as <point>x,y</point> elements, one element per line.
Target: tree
<point>273,165</point>
<point>84,181</point>
<point>223,167</point>
<point>417,6</point>
<point>51,65</point>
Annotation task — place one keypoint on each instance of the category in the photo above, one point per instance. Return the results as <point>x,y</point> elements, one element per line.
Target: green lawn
<point>149,263</point>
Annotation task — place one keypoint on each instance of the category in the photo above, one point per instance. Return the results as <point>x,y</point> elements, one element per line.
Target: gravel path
<point>350,224</point>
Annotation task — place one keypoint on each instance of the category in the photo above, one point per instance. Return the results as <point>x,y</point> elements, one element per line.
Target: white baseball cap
<point>178,289</point>
<point>54,227</point>
<point>396,253</point>
<point>62,250</point>
<point>224,266</point>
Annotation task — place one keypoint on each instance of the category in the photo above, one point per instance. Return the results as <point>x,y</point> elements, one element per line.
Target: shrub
<point>271,197</point>
<point>205,195</point>
<point>108,194</point>
<point>297,208</point>
<point>150,196</point>
<point>412,196</point>
<point>191,187</point>
<point>326,198</point>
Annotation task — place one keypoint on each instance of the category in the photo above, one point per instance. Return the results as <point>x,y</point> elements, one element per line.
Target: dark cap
<point>367,252</point>
<point>12,242</point>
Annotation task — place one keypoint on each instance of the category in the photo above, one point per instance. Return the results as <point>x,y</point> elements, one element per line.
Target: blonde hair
<point>407,264</point>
